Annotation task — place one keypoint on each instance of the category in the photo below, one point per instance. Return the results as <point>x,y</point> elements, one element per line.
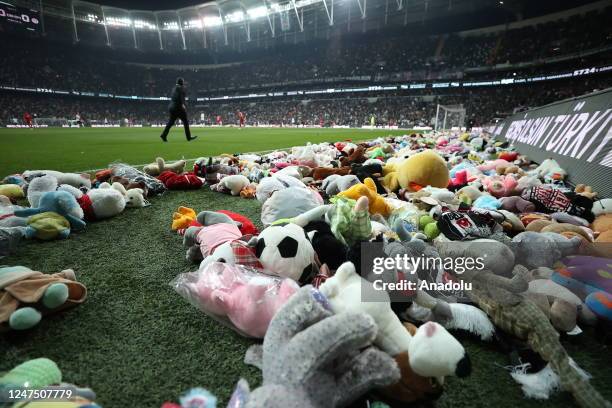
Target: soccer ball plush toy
<point>285,251</point>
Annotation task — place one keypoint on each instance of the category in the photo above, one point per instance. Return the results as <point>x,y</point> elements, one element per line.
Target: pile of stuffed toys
<point>300,284</point>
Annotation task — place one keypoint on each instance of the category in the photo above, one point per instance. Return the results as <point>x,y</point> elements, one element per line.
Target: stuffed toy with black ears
<point>433,351</point>
<point>328,248</point>
<point>313,358</point>
<point>285,250</point>
<point>373,171</point>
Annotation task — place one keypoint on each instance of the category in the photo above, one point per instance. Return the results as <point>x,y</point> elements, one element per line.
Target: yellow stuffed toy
<point>377,205</point>
<point>389,180</point>
<point>182,218</point>
<point>421,170</point>
<point>12,191</point>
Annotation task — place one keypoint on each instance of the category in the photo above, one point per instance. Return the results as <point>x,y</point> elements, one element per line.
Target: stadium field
<point>135,333</point>
<point>135,341</point>
<point>78,149</point>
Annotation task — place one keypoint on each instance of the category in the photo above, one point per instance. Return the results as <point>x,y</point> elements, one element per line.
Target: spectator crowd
<point>482,104</point>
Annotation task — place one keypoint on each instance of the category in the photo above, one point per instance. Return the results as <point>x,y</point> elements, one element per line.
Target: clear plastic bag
<point>240,297</point>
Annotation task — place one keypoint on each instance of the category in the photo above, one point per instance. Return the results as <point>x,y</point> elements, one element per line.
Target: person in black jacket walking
<point>178,110</point>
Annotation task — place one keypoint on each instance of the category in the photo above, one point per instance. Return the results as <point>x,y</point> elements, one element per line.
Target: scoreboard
<point>16,18</point>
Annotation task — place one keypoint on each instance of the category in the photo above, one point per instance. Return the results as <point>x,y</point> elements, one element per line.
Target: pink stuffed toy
<point>247,298</point>
<point>500,186</point>
<point>460,180</point>
<point>251,306</point>
<point>493,165</point>
<point>215,279</point>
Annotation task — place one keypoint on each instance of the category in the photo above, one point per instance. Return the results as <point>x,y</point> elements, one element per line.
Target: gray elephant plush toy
<point>312,358</point>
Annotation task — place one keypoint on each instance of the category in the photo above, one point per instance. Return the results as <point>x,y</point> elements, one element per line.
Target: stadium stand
<point>548,47</point>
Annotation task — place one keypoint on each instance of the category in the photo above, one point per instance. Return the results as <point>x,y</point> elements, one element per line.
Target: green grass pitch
<point>76,149</point>
<point>135,341</point>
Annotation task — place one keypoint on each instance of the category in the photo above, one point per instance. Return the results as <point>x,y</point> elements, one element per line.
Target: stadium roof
<point>233,22</point>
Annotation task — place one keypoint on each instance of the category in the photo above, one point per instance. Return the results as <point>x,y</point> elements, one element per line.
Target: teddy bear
<point>423,169</point>
<point>321,173</point>
<point>377,204</point>
<point>60,202</point>
<point>250,300</point>
<point>97,204</point>
<point>216,229</point>
<point>130,184</point>
<point>77,180</point>
<point>134,197</point>
<point>602,227</point>
<point>234,184</point>
<point>211,171</point>
<point>337,362</point>
<point>468,194</point>
<point>27,295</point>
<point>549,170</point>
<point>563,228</point>
<point>559,304</point>
<point>500,186</point>
<point>180,181</point>
<point>433,352</point>
<point>160,165</point>
<point>411,387</point>
<point>334,184</point>
<point>356,155</point>
<point>512,169</point>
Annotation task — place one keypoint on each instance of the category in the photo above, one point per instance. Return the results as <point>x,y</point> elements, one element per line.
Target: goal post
<point>449,117</point>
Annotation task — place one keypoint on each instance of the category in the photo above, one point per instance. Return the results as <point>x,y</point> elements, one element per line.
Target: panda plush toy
<point>286,251</point>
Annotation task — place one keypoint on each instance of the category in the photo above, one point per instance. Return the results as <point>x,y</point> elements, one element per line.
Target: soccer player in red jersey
<point>27,118</point>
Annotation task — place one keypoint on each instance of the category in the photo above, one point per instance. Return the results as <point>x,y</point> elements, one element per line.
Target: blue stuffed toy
<point>60,202</point>
<point>487,202</point>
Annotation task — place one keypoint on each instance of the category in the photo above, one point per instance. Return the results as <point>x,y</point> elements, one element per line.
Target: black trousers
<point>174,115</point>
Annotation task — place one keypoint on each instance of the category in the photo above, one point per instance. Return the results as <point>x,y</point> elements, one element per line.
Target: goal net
<point>449,117</point>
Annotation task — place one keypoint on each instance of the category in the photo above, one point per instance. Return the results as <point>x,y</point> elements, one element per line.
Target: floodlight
<point>170,26</point>
<point>235,16</point>
<point>257,12</point>
<point>212,21</point>
<point>195,23</point>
